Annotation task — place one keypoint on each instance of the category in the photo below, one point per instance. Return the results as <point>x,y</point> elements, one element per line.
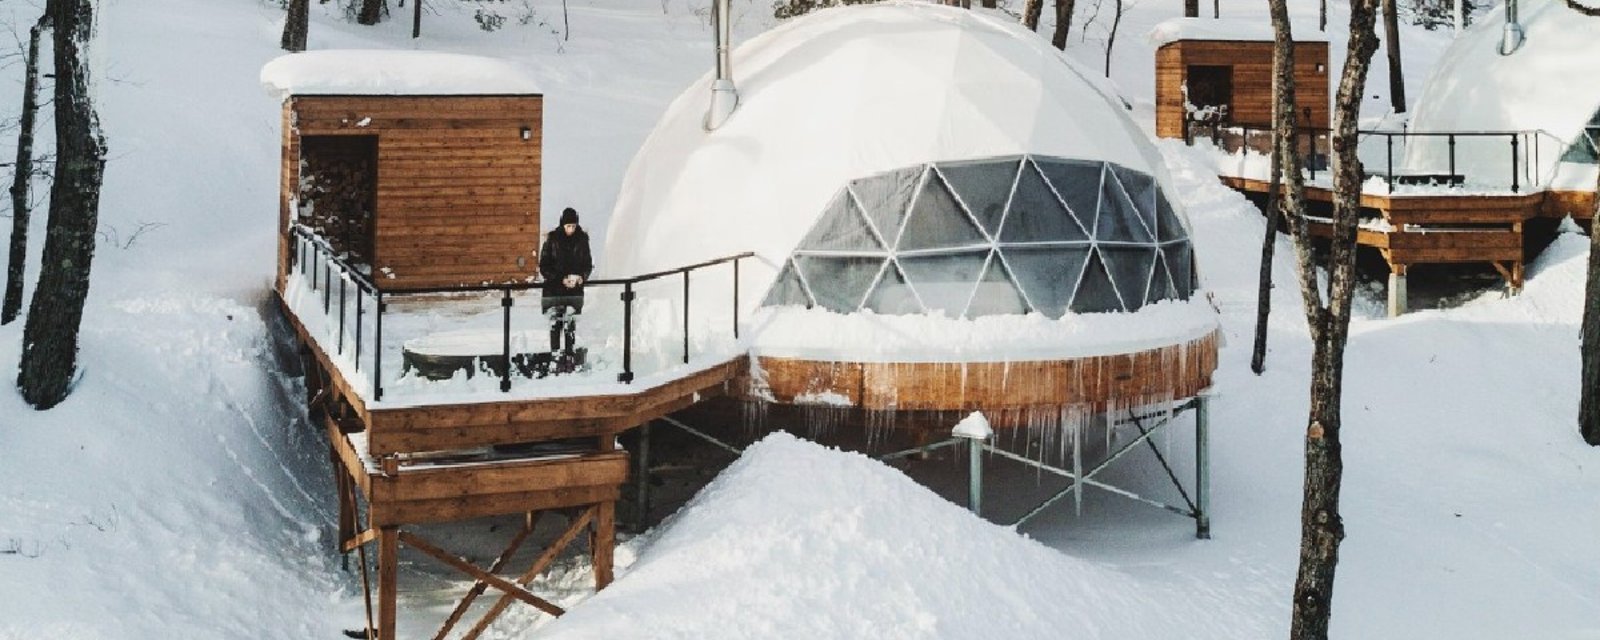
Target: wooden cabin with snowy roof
<point>1219,72</point>
<point>421,167</point>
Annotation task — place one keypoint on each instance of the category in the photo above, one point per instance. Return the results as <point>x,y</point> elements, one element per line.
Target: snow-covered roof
<point>1549,85</point>
<point>844,94</point>
<point>382,72</point>
<point>1226,30</point>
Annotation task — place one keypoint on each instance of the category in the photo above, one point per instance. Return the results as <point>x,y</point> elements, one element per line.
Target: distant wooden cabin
<point>428,185</point>
<point>1227,65</point>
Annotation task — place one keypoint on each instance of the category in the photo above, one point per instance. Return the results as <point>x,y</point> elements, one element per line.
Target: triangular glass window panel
<point>1141,190</point>
<point>787,290</point>
<point>1119,221</point>
<point>841,228</point>
<point>1095,293</point>
<point>1180,264</point>
<point>1130,269</point>
<point>944,282</point>
<point>893,295</point>
<point>885,197</point>
<point>997,294</point>
<point>937,222</point>
<point>1047,274</point>
<point>984,187</point>
<point>839,284</point>
<point>1078,184</point>
<point>1036,215</point>
<point>1168,227</point>
<point>1160,283</point>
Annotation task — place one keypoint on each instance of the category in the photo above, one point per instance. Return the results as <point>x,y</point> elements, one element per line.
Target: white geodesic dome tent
<point>1549,85</point>
<point>904,158</point>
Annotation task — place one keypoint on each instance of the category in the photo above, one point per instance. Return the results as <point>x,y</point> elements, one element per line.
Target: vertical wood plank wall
<point>458,186</point>
<point>1252,81</point>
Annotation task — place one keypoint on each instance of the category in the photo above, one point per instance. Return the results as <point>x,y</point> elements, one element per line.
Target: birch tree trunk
<point>22,179</point>
<point>50,337</point>
<point>1258,357</point>
<point>1321,527</point>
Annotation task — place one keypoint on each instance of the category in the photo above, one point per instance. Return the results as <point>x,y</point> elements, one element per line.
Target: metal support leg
<point>1202,468</point>
<point>975,476</point>
<point>1077,468</point>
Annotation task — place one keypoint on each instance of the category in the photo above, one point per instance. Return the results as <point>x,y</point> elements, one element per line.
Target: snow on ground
<point>179,493</point>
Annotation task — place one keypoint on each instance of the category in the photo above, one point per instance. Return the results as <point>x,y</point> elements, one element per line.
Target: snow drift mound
<point>798,541</point>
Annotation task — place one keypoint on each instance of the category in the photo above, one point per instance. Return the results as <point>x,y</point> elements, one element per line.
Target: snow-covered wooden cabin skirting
<point>1220,72</point>
<point>406,173</point>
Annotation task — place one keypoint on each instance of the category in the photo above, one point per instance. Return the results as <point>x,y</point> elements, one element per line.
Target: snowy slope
<point>179,494</point>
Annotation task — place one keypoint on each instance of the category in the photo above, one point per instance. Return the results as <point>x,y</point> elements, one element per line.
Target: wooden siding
<point>1252,81</point>
<point>1098,383</point>
<point>458,186</point>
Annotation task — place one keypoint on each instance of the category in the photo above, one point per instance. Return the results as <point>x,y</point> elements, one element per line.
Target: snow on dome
<point>1224,30</point>
<point>891,141</point>
<point>1547,85</point>
<point>382,72</point>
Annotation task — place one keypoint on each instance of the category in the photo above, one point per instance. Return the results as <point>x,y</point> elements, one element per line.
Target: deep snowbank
<point>799,541</point>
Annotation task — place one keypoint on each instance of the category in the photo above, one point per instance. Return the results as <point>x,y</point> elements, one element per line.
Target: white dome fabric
<point>844,94</point>
<point>1546,85</point>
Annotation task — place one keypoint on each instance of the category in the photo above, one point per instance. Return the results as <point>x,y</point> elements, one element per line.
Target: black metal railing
<point>1522,149</point>
<point>319,263</point>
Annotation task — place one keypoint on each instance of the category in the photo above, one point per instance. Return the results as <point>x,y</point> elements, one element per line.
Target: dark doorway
<point>1210,91</point>
<point>338,192</point>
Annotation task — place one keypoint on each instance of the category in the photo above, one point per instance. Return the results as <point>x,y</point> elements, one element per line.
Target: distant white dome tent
<point>1547,85</point>
<point>946,215</point>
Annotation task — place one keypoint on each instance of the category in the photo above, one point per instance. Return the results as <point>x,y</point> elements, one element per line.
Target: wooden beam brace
<point>1511,279</point>
<point>360,540</point>
<point>492,580</point>
<point>539,564</point>
<point>479,586</point>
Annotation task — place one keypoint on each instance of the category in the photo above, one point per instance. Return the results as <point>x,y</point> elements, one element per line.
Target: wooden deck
<point>1441,228</point>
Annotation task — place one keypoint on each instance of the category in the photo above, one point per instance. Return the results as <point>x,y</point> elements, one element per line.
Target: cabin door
<point>338,194</point>
<point>1210,93</point>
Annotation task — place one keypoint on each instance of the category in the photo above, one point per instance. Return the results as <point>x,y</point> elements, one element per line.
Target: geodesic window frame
<point>1013,234</point>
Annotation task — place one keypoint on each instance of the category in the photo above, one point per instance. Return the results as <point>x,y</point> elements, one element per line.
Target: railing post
<point>327,291</point>
<point>686,317</point>
<point>377,349</point>
<point>1389,139</point>
<point>358,329</point>
<point>627,334</point>
<point>736,298</point>
<point>1452,139</point>
<point>505,340</point>
<point>341,315</point>
<point>1514,183</point>
<point>1311,153</point>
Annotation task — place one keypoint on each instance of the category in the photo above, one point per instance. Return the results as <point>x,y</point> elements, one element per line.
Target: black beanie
<point>569,216</point>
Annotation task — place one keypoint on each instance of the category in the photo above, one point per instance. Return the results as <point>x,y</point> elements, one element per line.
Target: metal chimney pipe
<point>724,97</point>
<point>1512,37</point>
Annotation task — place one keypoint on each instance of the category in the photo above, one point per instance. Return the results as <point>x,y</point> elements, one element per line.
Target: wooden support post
<point>603,543</point>
<point>388,573</point>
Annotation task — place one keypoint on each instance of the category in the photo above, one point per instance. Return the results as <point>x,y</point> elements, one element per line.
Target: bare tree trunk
<point>294,26</point>
<point>1030,14</point>
<point>1063,23</point>
<point>1191,8</point>
<point>22,179</point>
<point>1589,387</point>
<point>1111,38</point>
<point>371,11</point>
<point>50,337</point>
<point>1391,44</point>
<point>1321,527</point>
<point>1216,9</point>
<point>990,4</point>
<point>1258,357</point>
<point>1322,16</point>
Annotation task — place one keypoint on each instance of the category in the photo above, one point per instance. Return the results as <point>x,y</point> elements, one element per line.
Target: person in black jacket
<point>565,264</point>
